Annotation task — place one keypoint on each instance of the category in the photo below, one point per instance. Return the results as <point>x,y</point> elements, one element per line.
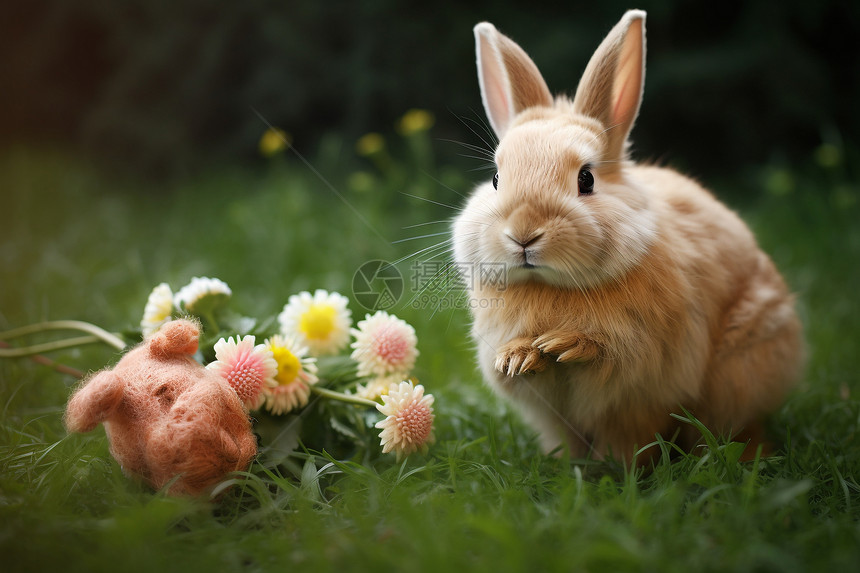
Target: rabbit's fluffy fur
<point>623,304</point>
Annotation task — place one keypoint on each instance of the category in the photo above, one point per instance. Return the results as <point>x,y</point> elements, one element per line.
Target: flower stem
<point>209,318</point>
<point>47,346</point>
<point>95,331</point>
<point>349,399</point>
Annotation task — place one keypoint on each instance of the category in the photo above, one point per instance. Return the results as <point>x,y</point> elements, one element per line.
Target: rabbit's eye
<point>496,181</point>
<point>586,181</point>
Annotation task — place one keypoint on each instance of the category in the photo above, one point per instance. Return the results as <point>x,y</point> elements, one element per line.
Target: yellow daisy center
<point>162,313</point>
<point>318,321</point>
<point>288,365</point>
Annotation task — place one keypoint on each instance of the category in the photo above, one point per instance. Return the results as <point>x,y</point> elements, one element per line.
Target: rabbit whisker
<point>419,237</point>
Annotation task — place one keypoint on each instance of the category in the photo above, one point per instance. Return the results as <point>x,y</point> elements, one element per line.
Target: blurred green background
<point>129,155</point>
<point>166,87</point>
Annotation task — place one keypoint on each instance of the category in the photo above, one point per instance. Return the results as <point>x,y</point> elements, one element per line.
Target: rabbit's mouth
<point>527,262</point>
<point>525,272</point>
<point>528,257</point>
<point>525,248</point>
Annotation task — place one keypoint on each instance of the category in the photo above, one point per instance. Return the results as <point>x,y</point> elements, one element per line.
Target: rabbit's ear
<point>510,81</point>
<point>611,86</point>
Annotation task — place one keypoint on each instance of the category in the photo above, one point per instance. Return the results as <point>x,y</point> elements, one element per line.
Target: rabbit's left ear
<point>611,86</point>
<point>510,81</point>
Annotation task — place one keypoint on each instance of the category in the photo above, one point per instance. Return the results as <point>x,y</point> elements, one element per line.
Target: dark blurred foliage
<point>169,86</point>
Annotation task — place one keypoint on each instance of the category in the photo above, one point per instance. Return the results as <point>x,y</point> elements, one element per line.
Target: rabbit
<point>629,292</point>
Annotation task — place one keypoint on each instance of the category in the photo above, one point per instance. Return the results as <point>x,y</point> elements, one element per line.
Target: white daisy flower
<point>376,387</point>
<point>408,426</point>
<point>202,295</point>
<point>321,322</point>
<point>384,346</point>
<point>249,369</point>
<point>159,307</point>
<point>296,374</point>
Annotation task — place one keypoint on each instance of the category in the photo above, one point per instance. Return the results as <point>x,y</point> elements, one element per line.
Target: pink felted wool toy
<point>166,416</point>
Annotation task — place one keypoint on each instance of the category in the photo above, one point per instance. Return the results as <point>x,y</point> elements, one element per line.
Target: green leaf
<point>279,437</point>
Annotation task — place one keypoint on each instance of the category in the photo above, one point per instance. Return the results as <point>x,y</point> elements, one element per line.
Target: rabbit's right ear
<point>611,86</point>
<point>510,81</point>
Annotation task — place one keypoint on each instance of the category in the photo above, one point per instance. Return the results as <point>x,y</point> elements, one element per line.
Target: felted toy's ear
<point>510,81</point>
<point>175,337</point>
<point>94,402</point>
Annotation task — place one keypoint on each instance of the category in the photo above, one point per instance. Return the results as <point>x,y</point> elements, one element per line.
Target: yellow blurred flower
<point>414,121</point>
<point>779,182</point>
<point>370,144</point>
<point>828,155</point>
<point>362,182</point>
<point>274,141</point>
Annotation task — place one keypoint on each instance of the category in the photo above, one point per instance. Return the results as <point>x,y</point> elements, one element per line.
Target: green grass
<point>79,244</point>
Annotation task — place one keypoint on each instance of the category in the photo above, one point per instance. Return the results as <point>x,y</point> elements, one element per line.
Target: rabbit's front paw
<point>519,356</point>
<point>567,346</point>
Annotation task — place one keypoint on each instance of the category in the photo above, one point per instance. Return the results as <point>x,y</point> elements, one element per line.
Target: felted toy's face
<point>171,421</point>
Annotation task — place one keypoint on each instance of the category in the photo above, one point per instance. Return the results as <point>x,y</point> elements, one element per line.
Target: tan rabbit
<point>629,291</point>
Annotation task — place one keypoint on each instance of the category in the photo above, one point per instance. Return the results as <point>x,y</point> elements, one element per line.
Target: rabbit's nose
<point>525,239</point>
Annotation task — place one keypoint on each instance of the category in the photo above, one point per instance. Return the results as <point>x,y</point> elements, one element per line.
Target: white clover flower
<point>248,368</point>
<point>321,322</point>
<point>408,426</point>
<point>384,346</point>
<point>159,307</point>
<point>296,374</point>
<point>202,295</point>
